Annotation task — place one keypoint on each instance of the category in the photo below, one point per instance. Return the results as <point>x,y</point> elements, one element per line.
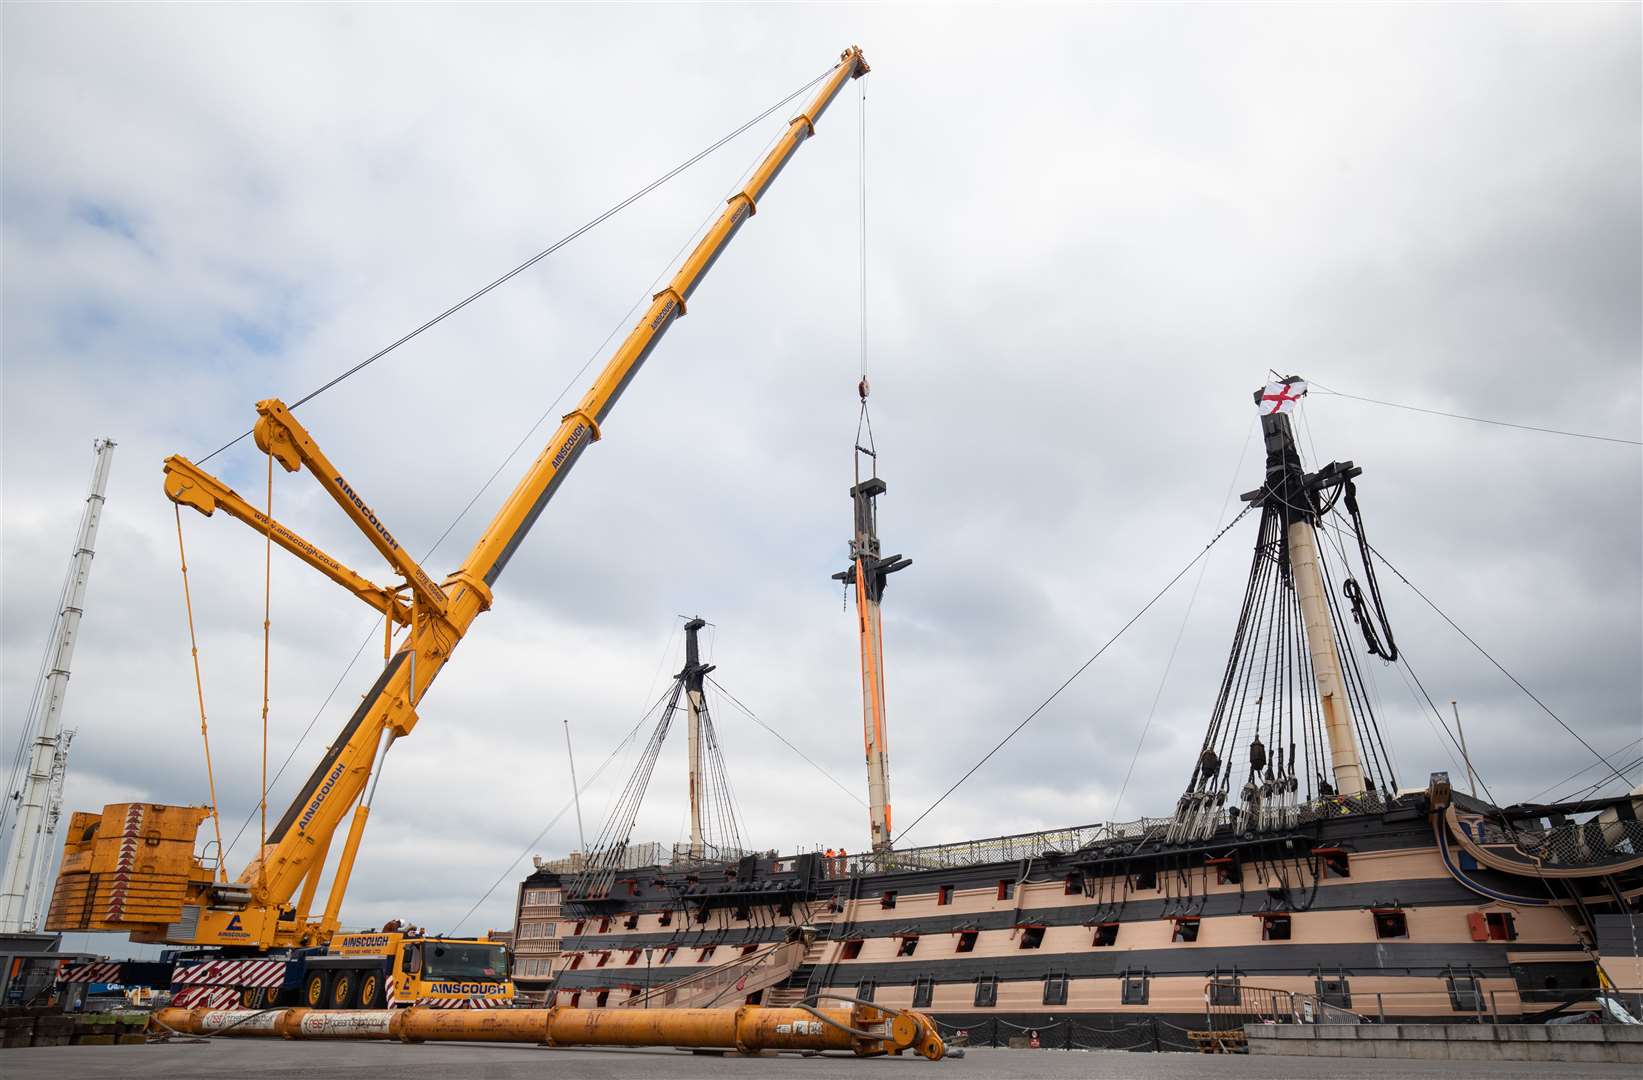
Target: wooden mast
<point>1287,485</point>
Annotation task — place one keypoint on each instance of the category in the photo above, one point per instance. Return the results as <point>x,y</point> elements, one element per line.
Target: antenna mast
<point>39,799</point>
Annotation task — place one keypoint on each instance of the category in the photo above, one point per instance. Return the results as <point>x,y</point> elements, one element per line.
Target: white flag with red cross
<point>1281,397</point>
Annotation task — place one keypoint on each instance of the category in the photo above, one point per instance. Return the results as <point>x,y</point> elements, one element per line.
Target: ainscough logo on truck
<point>465,988</point>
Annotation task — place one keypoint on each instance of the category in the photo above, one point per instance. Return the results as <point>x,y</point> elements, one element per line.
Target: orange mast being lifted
<point>866,574</point>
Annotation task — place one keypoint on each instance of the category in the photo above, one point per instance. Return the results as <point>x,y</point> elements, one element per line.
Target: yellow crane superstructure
<point>133,868</point>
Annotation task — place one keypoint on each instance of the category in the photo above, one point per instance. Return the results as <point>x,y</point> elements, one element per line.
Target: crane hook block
<point>862,388</point>
<point>275,439</point>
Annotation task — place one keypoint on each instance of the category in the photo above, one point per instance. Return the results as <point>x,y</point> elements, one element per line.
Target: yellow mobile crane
<point>133,868</point>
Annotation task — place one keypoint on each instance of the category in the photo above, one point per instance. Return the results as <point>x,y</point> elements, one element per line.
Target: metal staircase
<point>797,985</point>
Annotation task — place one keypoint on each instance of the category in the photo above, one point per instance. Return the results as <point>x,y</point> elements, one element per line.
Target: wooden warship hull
<point>1369,906</point>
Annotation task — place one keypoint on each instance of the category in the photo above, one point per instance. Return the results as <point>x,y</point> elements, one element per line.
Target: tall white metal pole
<point>35,822</point>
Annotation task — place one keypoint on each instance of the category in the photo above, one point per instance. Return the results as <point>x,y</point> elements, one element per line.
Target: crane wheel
<point>254,998</point>
<point>343,985</point>
<point>370,990</point>
<point>314,990</point>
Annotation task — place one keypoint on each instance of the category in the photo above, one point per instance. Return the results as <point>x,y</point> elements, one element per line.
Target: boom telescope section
<point>132,868</point>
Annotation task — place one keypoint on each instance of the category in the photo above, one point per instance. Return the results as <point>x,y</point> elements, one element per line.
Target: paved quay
<point>251,1059</point>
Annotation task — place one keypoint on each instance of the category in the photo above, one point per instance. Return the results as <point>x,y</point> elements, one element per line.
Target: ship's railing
<point>998,849</point>
<point>710,855</point>
<point>1592,843</point>
<point>1081,838</point>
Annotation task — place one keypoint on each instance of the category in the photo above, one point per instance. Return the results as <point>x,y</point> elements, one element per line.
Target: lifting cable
<point>267,624</point>
<point>1133,619</point>
<point>864,421</point>
<point>199,694</point>
<point>544,253</point>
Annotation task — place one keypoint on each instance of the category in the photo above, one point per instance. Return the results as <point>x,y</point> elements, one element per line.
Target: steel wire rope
<point>1080,670</point>
<point>1475,419</point>
<point>570,384</point>
<point>544,253</point>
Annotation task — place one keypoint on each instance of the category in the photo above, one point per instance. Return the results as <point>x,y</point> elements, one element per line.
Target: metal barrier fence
<point>1229,1005</point>
<point>1142,1035</point>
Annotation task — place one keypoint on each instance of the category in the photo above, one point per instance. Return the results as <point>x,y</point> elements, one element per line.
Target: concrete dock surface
<point>257,1059</point>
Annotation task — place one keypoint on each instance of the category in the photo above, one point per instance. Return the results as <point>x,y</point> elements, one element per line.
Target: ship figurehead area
<point>1296,879</point>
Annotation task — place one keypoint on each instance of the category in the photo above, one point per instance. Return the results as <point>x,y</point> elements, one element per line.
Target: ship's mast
<point>866,574</point>
<point>1288,486</point>
<point>693,675</point>
<point>39,800</point>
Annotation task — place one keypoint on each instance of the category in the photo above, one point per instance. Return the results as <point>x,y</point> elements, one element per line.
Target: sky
<point>1091,232</point>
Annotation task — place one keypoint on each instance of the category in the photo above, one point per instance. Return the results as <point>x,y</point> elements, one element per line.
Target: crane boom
<point>36,819</point>
<point>256,910</point>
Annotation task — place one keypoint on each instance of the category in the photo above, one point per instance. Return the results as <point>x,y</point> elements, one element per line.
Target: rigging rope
<point>1081,668</point>
<point>544,253</point>
<point>1354,592</point>
<point>1169,664</point>
<point>1577,773</point>
<point>1500,667</point>
<point>563,810</point>
<point>807,759</point>
<point>199,693</point>
<point>1318,386</point>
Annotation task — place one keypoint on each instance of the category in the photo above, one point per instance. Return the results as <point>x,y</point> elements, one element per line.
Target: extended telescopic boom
<point>257,909</point>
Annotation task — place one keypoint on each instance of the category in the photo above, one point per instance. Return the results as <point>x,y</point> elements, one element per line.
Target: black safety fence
<point>1146,1034</point>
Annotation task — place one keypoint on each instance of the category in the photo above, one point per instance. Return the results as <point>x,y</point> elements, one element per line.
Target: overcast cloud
<point>1091,234</point>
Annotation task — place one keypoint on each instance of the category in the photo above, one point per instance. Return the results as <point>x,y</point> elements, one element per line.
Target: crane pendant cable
<point>590,224</point>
